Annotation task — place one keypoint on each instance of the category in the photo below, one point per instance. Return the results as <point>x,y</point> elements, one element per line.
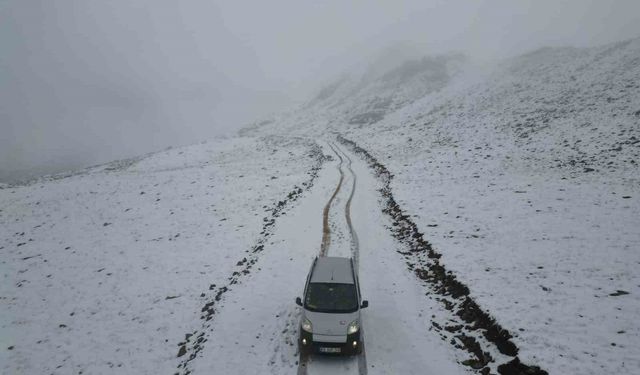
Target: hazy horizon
<point>86,82</point>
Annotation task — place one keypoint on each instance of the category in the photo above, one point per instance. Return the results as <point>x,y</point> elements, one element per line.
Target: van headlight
<point>306,325</point>
<point>353,327</point>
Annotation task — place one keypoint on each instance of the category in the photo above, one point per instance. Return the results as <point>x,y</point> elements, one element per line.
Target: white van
<point>331,308</point>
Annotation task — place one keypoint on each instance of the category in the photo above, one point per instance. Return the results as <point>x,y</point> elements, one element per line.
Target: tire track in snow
<point>326,230</point>
<point>355,253</point>
<point>303,363</point>
<point>355,244</point>
<point>304,360</point>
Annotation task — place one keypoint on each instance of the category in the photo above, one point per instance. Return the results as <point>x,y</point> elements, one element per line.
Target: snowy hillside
<point>525,178</point>
<point>385,87</point>
<point>493,213</point>
<point>105,271</point>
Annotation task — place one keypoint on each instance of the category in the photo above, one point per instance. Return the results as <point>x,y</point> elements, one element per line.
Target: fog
<point>87,81</point>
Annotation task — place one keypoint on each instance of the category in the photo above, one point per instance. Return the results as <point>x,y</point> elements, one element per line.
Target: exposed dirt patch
<point>472,326</point>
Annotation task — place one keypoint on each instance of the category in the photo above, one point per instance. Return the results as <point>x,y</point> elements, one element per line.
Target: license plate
<point>329,350</point>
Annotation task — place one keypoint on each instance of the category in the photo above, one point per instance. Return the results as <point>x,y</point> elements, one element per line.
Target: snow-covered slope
<point>525,178</point>
<point>384,87</point>
<point>106,270</point>
<point>521,178</point>
<point>367,94</point>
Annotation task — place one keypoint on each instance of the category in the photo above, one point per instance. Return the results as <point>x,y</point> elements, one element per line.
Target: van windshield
<point>331,298</point>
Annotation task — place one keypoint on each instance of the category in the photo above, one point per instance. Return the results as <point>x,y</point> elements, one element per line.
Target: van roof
<point>332,270</point>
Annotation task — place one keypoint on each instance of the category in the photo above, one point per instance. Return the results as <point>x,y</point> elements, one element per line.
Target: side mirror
<point>298,301</point>
<point>365,304</point>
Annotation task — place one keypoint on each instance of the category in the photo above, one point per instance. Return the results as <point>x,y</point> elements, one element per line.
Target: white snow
<point>542,242</point>
<point>256,329</point>
<point>103,272</point>
<point>523,176</point>
<point>397,326</point>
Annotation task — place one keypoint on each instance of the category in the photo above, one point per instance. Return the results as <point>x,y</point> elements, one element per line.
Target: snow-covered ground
<point>528,184</point>
<point>103,272</point>
<point>523,176</point>
<point>256,330</point>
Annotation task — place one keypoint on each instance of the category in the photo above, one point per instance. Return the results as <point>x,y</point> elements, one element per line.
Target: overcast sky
<point>88,81</point>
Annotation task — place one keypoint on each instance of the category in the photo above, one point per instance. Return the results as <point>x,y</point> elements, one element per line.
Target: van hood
<point>331,324</point>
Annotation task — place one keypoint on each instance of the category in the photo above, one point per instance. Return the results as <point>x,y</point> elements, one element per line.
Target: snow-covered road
<point>398,339</point>
<point>336,222</point>
<point>197,305</point>
<point>256,328</point>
